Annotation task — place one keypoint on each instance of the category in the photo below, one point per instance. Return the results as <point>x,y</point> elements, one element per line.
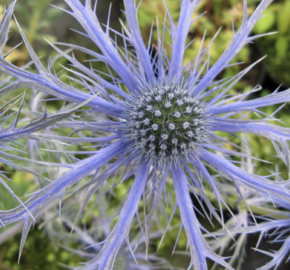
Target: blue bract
<point>149,119</point>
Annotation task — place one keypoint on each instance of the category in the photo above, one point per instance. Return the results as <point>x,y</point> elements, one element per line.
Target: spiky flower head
<point>151,119</point>
<point>166,123</point>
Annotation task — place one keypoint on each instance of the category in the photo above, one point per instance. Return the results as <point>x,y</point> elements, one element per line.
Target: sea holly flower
<point>149,118</point>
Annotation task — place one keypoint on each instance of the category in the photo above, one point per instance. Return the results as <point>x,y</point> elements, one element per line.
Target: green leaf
<point>44,37</point>
<point>284,18</point>
<point>53,13</point>
<point>265,23</point>
<point>281,46</point>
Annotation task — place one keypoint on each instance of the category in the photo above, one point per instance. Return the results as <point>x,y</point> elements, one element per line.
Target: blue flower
<point>152,119</point>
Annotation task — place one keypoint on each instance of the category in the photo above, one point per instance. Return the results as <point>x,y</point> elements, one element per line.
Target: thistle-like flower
<point>150,118</point>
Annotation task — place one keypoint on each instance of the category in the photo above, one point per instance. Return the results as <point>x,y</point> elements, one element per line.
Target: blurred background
<point>39,20</point>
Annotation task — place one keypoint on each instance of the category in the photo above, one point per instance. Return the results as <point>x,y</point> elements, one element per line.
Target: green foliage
<point>39,254</point>
<point>219,14</point>
<point>35,18</point>
<point>21,184</point>
<point>276,46</point>
<point>265,23</point>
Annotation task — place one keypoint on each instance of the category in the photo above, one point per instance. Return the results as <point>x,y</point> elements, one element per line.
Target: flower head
<point>153,118</point>
<point>178,130</point>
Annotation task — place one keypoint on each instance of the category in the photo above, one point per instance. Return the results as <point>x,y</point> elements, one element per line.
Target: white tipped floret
<point>174,141</point>
<point>168,104</point>
<point>191,145</point>
<point>188,109</point>
<point>177,114</point>
<point>158,113</point>
<point>183,146</point>
<point>146,121</point>
<point>149,108</point>
<point>164,136</point>
<point>179,102</point>
<point>154,126</point>
<point>190,134</point>
<point>185,125</point>
<point>171,126</point>
<point>163,146</point>
<point>158,98</point>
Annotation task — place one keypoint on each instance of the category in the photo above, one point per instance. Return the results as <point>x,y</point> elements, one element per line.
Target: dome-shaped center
<point>166,121</point>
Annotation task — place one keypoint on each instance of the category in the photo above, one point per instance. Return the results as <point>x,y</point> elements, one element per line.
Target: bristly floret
<point>166,123</point>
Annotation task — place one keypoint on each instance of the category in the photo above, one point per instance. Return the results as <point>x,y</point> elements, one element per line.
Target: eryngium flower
<point>152,118</point>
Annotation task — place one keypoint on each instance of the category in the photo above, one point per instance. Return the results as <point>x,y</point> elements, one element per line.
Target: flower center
<point>166,121</point>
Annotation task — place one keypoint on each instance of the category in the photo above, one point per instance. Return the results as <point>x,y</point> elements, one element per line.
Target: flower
<point>152,120</point>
